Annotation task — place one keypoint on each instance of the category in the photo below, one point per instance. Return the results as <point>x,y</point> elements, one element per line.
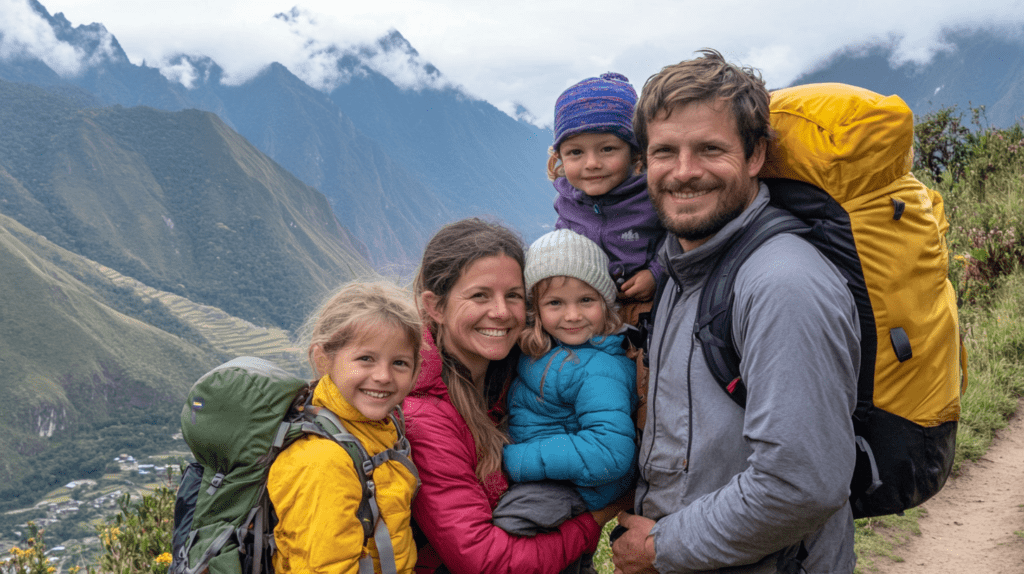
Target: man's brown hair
<point>707,78</point>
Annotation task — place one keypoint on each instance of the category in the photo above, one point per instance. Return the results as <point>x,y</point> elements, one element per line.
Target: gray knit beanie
<point>566,253</point>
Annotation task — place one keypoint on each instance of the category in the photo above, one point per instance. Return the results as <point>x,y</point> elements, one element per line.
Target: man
<point>765,488</point>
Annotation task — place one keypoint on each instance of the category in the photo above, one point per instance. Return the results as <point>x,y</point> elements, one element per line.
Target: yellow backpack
<point>841,164</point>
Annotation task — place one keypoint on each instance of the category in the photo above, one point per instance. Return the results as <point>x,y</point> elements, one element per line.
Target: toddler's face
<point>595,163</point>
<point>375,372</point>
<point>571,311</point>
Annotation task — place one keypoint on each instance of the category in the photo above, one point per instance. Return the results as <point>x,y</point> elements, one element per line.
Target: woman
<point>473,302</point>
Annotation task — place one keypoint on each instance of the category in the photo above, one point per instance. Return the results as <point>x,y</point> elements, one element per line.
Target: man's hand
<point>633,552</point>
<point>639,287</point>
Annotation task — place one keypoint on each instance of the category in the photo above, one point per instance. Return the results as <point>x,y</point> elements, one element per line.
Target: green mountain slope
<point>176,200</point>
<point>138,249</point>
<point>69,362</point>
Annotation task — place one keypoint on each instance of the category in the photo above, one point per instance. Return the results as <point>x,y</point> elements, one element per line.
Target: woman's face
<point>484,314</point>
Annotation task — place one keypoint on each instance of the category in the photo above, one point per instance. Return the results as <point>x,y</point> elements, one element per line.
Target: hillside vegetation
<point>176,200</point>
<point>73,365</point>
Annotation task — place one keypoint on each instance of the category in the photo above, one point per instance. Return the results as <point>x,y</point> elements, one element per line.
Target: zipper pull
<point>597,209</point>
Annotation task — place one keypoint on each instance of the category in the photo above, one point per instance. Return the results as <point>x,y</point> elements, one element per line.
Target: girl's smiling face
<point>596,163</point>
<point>374,372</point>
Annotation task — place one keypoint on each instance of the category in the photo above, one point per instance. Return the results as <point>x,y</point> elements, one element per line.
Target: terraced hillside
<point>228,334</point>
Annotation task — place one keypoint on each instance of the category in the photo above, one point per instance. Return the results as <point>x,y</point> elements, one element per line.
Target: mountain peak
<point>394,41</point>
<point>28,30</point>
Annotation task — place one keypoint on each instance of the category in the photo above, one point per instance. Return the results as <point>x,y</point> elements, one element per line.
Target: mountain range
<point>977,67</point>
<point>395,164</point>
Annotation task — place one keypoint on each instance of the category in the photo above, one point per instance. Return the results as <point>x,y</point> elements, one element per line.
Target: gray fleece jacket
<point>731,488</point>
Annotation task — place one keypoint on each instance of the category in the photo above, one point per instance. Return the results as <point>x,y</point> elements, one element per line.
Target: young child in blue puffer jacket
<point>570,408</point>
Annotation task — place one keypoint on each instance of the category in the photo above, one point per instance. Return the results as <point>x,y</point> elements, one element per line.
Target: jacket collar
<point>328,396</point>
<point>429,381</point>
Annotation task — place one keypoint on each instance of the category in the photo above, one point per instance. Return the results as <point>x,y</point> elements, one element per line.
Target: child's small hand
<point>639,287</point>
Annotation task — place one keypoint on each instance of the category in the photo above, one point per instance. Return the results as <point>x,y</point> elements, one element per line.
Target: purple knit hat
<point>602,104</point>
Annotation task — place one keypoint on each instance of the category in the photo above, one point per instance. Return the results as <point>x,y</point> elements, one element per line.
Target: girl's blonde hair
<point>534,340</point>
<point>557,170</point>
<point>356,310</point>
<point>450,252</point>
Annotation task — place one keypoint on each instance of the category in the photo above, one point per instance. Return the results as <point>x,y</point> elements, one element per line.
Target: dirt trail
<point>976,523</point>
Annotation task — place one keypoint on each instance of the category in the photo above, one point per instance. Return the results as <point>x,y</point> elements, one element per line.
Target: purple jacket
<point>623,222</point>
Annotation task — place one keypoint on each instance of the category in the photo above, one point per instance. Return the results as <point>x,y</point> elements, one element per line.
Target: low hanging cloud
<point>324,64</point>
<point>513,55</point>
<point>25,34</point>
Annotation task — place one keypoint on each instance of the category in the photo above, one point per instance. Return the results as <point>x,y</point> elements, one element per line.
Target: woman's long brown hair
<point>450,252</point>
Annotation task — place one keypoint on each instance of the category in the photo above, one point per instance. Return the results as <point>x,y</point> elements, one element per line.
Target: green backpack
<point>236,420</point>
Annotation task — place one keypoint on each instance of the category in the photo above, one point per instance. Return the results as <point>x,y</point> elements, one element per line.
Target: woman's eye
<point>364,358</point>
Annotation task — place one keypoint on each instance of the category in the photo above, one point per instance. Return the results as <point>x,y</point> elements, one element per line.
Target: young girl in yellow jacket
<point>365,346</point>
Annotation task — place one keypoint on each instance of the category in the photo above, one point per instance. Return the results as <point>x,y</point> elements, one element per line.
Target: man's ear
<point>432,305</point>
<point>756,161</point>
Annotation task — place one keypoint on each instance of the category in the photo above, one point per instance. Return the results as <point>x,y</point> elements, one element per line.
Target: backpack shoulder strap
<point>323,422</point>
<point>713,326</point>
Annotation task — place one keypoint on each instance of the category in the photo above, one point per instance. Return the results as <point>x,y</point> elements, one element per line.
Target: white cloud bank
<point>507,53</point>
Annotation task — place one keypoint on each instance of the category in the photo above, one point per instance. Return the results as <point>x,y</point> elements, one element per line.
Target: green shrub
<point>138,539</point>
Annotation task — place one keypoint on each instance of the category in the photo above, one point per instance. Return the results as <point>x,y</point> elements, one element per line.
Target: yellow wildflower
<point>164,558</point>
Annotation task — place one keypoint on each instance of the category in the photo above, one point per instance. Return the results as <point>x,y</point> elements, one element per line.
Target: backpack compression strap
<point>713,326</point>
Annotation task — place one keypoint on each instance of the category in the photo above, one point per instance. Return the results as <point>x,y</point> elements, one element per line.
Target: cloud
<point>182,72</point>
<point>320,61</point>
<point>517,53</point>
<point>25,34</point>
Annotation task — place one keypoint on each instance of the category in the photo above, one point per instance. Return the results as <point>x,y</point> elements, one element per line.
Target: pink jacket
<point>453,508</point>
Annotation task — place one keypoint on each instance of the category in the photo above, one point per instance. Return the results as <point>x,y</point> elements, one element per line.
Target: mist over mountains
<point>977,68</point>
<point>395,163</point>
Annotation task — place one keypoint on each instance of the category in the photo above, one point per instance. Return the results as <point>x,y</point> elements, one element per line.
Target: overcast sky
<point>523,52</point>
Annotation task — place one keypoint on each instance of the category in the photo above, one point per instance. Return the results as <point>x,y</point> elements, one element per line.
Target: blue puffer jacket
<point>579,427</point>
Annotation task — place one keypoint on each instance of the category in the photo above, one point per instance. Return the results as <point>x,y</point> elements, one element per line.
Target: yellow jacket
<point>315,491</point>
